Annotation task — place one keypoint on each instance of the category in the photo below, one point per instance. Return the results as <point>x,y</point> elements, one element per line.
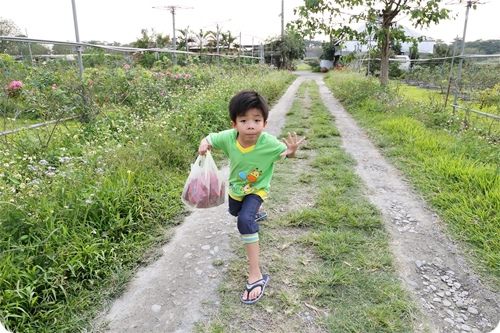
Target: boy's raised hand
<point>291,145</point>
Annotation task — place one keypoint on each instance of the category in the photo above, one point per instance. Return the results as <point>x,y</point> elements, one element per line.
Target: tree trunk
<point>384,59</point>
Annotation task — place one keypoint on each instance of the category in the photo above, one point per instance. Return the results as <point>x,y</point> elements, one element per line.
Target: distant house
<point>424,47</point>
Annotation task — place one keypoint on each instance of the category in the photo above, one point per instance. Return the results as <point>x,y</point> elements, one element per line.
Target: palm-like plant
<point>202,39</point>
<point>227,40</point>
<point>185,38</point>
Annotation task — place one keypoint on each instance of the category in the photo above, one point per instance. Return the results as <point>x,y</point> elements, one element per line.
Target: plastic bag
<point>205,187</point>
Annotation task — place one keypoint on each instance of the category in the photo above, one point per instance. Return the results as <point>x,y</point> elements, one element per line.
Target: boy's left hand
<point>291,145</point>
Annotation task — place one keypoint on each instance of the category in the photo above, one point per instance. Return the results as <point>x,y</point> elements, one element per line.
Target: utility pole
<point>217,36</point>
<point>457,85</point>
<point>282,19</point>
<point>172,10</point>
<point>77,35</point>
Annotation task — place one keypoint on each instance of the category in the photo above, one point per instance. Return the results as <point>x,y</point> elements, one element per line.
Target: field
<point>84,201</point>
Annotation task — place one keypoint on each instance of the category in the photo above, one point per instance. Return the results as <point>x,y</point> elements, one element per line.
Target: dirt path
<point>180,288</point>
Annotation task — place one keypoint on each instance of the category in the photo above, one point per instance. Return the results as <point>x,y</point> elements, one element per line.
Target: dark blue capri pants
<point>246,210</point>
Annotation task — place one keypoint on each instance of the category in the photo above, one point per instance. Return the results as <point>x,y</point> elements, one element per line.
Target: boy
<point>252,154</point>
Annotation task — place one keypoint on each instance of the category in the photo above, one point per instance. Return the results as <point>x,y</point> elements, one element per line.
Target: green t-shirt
<point>250,169</point>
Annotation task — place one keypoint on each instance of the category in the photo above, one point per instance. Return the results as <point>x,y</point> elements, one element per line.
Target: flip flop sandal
<point>260,283</point>
<point>260,216</point>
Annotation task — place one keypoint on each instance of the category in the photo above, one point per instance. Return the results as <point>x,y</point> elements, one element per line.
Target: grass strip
<point>455,169</point>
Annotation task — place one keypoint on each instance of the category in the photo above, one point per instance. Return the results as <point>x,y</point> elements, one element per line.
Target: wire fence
<point>44,69</point>
<point>469,82</point>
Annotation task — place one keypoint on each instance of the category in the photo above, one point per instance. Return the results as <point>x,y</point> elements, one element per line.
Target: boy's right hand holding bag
<point>205,187</point>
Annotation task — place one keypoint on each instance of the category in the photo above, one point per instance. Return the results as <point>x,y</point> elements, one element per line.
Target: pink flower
<point>16,85</point>
<point>126,66</point>
<point>186,86</point>
<point>187,76</point>
<point>54,86</point>
<point>90,83</point>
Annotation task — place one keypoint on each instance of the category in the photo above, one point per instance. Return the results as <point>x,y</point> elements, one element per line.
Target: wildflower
<point>54,86</point>
<point>186,86</point>
<point>126,66</point>
<point>187,76</point>
<point>16,85</point>
<point>14,89</point>
<point>90,83</point>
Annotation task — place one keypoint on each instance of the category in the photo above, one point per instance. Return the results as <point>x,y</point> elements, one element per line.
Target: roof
<point>424,47</point>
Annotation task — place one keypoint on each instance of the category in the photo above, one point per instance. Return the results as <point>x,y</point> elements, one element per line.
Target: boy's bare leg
<point>255,273</point>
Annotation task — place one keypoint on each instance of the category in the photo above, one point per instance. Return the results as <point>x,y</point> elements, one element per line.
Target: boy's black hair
<point>246,100</point>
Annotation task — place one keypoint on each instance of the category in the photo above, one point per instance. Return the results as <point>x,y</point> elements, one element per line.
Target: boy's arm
<point>204,146</point>
<point>291,145</point>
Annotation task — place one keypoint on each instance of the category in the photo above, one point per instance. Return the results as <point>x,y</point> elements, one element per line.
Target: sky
<point>256,20</point>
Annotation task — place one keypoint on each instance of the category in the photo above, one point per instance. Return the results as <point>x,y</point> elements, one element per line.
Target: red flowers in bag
<point>204,187</point>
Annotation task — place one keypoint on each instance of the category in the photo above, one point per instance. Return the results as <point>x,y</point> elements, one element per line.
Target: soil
<point>180,288</point>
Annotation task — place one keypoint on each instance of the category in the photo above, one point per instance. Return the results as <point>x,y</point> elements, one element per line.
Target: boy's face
<point>249,127</point>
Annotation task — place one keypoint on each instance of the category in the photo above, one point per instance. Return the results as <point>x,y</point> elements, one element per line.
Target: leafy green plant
<point>82,202</point>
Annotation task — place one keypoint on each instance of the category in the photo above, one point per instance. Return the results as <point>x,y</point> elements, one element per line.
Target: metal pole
<point>252,50</point>
<point>174,55</point>
<point>262,57</point>
<point>187,39</point>
<point>457,86</point>
<point>78,48</point>
<point>282,19</point>
<point>451,73</point>
<point>218,45</point>
<point>29,47</point>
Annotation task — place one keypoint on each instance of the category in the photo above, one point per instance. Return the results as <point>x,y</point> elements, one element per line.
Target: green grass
<point>82,206</point>
<point>303,67</point>
<point>324,245</point>
<point>455,169</point>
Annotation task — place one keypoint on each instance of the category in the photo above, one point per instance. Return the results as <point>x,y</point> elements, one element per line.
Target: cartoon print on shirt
<point>247,188</point>
<point>252,178</point>
<point>254,175</point>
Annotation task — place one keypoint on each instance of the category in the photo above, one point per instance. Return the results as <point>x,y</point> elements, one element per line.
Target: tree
<point>227,40</point>
<point>151,41</point>
<point>201,38</point>
<point>379,17</point>
<point>184,38</point>
<point>9,28</point>
<point>490,46</point>
<point>284,50</point>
